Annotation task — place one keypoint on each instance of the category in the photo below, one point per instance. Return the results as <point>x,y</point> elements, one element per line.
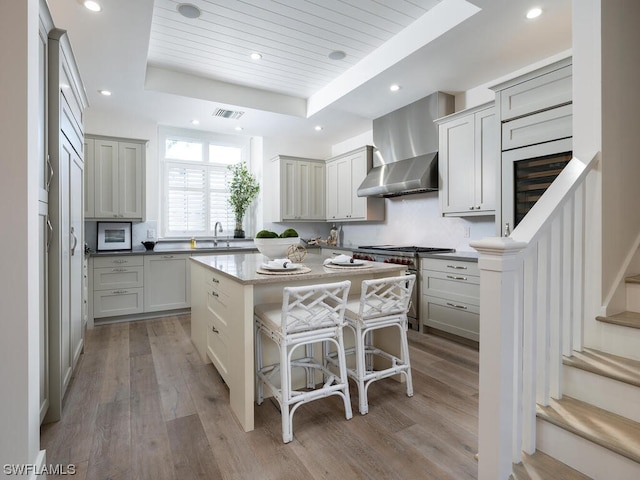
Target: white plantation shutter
<point>195,182</point>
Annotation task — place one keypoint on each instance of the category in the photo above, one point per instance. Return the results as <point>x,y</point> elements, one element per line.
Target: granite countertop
<point>242,268</point>
<point>202,247</point>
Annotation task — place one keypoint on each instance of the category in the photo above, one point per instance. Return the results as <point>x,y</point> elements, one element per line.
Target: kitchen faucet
<point>216,228</point>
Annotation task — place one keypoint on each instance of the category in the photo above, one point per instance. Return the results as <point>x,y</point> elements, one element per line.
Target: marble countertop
<point>242,268</point>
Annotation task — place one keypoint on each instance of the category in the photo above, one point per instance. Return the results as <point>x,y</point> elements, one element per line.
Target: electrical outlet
<point>151,233</point>
<point>467,232</point>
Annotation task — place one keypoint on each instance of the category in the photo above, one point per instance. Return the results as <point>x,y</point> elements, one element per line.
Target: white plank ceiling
<point>294,37</point>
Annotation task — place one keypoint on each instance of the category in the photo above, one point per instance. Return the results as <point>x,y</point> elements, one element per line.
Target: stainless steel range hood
<point>406,156</point>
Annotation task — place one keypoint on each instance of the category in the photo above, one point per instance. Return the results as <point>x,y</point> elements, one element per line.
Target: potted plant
<point>243,189</point>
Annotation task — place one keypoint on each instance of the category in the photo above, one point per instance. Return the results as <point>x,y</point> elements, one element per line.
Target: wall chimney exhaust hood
<point>406,156</point>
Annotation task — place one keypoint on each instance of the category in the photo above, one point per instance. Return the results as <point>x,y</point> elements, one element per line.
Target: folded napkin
<point>279,263</point>
<point>339,259</point>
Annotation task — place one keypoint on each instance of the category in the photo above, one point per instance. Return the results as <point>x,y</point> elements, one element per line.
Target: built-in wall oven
<point>526,173</point>
<point>402,255</point>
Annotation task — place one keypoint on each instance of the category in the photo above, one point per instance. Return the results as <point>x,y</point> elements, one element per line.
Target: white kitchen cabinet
<point>65,105</point>
<point>450,297</point>
<point>116,176</point>
<point>469,149</point>
<point>345,173</point>
<point>118,285</point>
<point>167,281</point>
<point>295,189</point>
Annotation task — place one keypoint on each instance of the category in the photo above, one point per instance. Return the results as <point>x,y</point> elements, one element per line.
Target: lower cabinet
<point>166,284</point>
<point>118,285</point>
<point>451,297</point>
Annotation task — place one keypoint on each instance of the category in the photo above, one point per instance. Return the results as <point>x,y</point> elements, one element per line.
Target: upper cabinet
<point>345,173</point>
<point>294,189</point>
<point>115,178</point>
<point>468,158</point>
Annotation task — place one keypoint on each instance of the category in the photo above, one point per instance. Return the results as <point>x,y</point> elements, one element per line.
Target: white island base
<point>224,290</point>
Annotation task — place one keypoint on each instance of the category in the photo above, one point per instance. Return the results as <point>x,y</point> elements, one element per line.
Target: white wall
<point>19,301</point>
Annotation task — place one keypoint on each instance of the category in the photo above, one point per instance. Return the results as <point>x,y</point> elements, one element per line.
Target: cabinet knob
<point>215,280</point>
<point>214,294</point>
<point>471,207</point>
<point>215,330</point>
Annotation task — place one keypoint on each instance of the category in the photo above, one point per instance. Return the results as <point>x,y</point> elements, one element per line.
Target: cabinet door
<point>130,181</point>
<point>288,185</point>
<point>487,147</point>
<point>106,179</point>
<point>332,191</point>
<point>302,191</point>
<point>316,192</point>
<point>76,257</point>
<point>166,285</point>
<point>358,173</point>
<point>89,205</point>
<point>456,161</point>
<point>344,188</point>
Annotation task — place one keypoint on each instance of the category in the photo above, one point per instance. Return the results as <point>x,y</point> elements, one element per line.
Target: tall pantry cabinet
<point>65,106</point>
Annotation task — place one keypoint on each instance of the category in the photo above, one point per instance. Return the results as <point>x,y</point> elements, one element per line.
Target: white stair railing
<point>531,309</point>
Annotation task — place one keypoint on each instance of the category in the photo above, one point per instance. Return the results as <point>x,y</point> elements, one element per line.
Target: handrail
<point>531,303</point>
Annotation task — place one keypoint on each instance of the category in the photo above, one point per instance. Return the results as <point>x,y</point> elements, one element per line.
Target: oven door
<point>526,174</point>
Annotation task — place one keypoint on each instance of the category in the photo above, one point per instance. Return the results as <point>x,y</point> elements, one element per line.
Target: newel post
<point>499,264</point>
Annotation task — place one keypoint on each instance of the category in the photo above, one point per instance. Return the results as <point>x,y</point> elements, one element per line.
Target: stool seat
<point>308,315</point>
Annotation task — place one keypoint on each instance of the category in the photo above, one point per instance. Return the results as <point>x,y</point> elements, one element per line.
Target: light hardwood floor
<point>143,406</point>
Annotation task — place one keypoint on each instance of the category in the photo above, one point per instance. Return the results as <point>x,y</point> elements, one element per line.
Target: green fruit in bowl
<point>266,234</point>
<point>289,232</point>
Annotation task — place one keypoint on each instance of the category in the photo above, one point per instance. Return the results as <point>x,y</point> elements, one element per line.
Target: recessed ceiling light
<point>195,121</point>
<point>106,93</point>
<point>395,87</point>
<point>188,10</point>
<point>534,13</point>
<point>337,55</point>
<point>255,56</point>
<point>318,128</point>
<point>239,129</point>
<point>92,5</point>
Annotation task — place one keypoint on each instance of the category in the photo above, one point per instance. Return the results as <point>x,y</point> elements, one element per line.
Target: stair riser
<point>615,339</point>
<point>633,297</point>
<point>593,460</point>
<point>617,397</point>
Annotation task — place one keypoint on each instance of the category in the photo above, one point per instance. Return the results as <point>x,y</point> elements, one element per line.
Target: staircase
<point>559,388</point>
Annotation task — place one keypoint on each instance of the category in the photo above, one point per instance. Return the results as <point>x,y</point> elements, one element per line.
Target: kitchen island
<point>224,290</point>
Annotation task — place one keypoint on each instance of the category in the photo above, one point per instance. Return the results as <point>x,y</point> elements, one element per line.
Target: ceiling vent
<point>221,112</point>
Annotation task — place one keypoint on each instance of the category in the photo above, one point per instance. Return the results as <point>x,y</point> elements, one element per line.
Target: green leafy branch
<point>243,189</point>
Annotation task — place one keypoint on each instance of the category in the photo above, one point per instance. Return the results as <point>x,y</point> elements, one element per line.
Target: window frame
<point>206,139</point>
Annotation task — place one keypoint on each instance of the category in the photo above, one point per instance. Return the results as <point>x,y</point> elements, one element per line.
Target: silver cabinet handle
<point>457,267</point>
<point>167,256</point>
<point>50,172</point>
<point>75,241</point>
<point>456,306</point>
<point>507,229</point>
<point>214,294</point>
<point>119,269</point>
<point>121,261</point>
<point>120,292</point>
<point>50,236</point>
<point>455,277</point>
<point>215,330</point>
<point>215,280</point>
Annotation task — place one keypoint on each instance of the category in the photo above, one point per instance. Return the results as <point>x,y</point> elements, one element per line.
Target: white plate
<point>290,267</point>
<point>355,263</point>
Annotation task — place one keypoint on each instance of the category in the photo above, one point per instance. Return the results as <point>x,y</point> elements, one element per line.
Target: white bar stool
<point>382,303</point>
<point>307,315</point>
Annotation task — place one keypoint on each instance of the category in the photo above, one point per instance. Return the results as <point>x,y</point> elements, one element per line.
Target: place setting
<point>345,262</point>
<point>282,266</point>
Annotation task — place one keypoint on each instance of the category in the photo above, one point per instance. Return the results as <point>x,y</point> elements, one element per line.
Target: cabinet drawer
<point>117,278</point>
<point>218,306</point>
<point>119,261</point>
<point>542,127</point>
<point>218,347</point>
<point>456,287</point>
<point>121,301</point>
<point>450,265</point>
<point>453,317</point>
<point>217,282</point>
<point>540,93</point>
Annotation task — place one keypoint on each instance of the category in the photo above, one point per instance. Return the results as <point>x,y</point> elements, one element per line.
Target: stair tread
<point>614,432</point>
<point>612,366</point>
<point>625,319</point>
<point>540,465</point>
<point>633,279</point>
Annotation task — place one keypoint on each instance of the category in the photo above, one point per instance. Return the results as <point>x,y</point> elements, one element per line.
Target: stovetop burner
<point>410,249</point>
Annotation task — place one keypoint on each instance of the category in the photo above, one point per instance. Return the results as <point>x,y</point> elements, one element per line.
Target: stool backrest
<point>314,306</point>
<point>386,296</point>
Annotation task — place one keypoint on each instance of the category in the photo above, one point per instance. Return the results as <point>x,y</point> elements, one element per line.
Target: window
<point>194,193</point>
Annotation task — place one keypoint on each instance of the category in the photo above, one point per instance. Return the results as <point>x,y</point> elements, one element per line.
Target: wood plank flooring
<point>143,406</point>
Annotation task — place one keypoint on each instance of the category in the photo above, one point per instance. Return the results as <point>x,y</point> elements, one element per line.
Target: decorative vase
<point>238,232</point>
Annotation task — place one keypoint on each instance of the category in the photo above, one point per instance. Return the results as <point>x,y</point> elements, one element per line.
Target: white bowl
<point>275,247</point>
